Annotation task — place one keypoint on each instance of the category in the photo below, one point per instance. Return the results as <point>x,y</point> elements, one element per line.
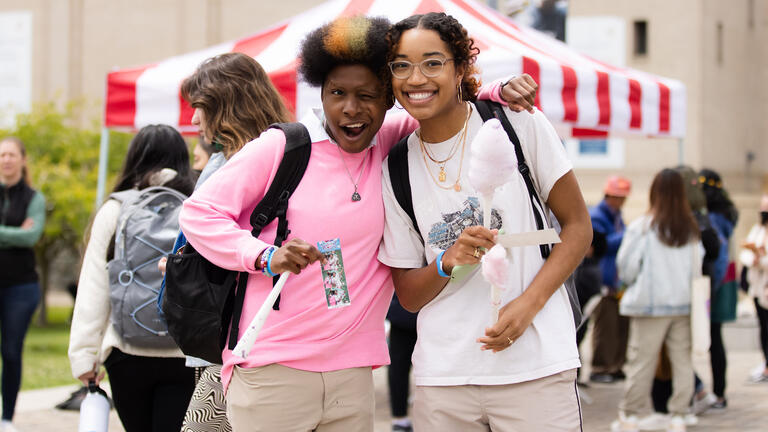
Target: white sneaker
<point>7,426</point>
<point>655,421</point>
<point>691,420</point>
<point>625,424</point>
<point>676,424</point>
<point>702,404</point>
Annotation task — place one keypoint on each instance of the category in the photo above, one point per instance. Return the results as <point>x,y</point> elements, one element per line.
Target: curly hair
<point>237,97</point>
<point>718,200</point>
<point>345,41</point>
<point>452,33</point>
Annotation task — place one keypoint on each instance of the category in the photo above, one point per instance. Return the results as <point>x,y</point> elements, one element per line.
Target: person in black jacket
<point>22,217</point>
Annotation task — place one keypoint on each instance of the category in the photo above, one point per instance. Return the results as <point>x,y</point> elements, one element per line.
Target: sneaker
<point>625,424</point>
<point>655,421</point>
<point>720,404</point>
<point>619,375</point>
<point>701,404</point>
<point>399,428</point>
<point>759,378</point>
<point>676,424</point>
<point>7,426</point>
<point>603,378</point>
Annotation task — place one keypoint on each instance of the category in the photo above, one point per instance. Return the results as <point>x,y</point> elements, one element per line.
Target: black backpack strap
<point>274,204</point>
<point>489,109</point>
<point>401,180</point>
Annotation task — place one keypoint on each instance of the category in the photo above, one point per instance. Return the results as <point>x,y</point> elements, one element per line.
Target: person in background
<point>661,390</point>
<point>753,256</point>
<point>22,218</point>
<point>658,258</point>
<point>402,339</point>
<point>610,330</point>
<point>201,153</point>
<point>588,279</point>
<point>224,81</point>
<point>151,387</point>
<point>723,216</point>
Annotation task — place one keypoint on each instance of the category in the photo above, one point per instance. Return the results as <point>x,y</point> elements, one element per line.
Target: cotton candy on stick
<point>245,344</point>
<point>495,268</point>
<point>492,163</point>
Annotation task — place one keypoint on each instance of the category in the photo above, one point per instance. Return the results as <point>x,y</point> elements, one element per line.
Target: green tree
<point>63,163</point>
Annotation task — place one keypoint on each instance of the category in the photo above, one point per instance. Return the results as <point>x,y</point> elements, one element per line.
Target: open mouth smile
<point>354,130</point>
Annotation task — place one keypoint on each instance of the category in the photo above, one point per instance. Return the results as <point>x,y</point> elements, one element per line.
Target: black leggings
<point>717,359</point>
<point>151,394</point>
<point>401,343</point>
<point>762,317</point>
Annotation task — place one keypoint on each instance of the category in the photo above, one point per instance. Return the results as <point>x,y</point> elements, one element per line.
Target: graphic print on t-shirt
<point>444,234</point>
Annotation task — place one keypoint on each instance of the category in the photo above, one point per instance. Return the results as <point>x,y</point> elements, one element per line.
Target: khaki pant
<point>609,336</point>
<point>278,398</point>
<point>646,337</point>
<point>546,404</point>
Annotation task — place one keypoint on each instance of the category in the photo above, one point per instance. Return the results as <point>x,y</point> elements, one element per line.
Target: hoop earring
<point>458,87</point>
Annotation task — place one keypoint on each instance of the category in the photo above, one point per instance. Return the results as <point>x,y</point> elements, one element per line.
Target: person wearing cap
<point>753,256</point>
<point>609,338</point>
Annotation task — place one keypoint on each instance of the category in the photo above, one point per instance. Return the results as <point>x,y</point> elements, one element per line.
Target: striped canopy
<point>575,91</point>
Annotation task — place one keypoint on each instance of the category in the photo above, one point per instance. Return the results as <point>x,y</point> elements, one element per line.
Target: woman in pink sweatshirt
<point>310,368</point>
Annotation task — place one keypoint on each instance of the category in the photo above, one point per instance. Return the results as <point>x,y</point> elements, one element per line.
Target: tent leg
<point>103,156</point>
<point>680,152</point>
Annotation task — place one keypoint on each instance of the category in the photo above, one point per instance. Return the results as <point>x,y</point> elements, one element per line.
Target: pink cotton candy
<point>495,266</point>
<point>492,162</point>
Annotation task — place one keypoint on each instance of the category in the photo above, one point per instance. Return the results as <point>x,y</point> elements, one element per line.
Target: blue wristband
<point>439,263</point>
<point>266,261</point>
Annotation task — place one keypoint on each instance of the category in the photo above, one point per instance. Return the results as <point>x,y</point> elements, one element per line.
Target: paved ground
<point>747,403</point>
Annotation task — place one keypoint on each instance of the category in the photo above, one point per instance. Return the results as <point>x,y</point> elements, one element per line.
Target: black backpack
<point>401,185</point>
<point>203,302</point>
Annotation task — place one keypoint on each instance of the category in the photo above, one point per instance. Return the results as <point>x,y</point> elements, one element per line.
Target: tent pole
<point>103,155</point>
<point>680,152</point>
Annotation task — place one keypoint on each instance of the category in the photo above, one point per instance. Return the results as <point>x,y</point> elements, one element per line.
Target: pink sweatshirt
<point>305,334</point>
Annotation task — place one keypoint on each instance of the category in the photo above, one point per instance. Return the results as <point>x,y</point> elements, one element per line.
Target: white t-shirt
<point>446,351</point>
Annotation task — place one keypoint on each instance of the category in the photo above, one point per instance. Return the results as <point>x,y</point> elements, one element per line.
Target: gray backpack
<point>146,231</point>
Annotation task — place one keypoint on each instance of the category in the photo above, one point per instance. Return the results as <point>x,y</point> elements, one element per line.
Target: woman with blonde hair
<point>660,255</point>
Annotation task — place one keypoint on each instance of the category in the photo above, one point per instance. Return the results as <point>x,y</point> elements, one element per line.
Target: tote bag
<point>726,297</point>
<point>700,289</point>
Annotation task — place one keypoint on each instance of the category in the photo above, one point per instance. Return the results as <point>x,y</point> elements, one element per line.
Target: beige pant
<point>546,404</point>
<point>646,337</point>
<point>278,398</point>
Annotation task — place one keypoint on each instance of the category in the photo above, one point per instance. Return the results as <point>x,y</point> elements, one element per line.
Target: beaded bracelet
<point>266,260</point>
<point>439,263</point>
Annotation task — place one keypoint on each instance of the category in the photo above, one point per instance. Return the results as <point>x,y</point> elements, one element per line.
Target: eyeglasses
<point>430,68</point>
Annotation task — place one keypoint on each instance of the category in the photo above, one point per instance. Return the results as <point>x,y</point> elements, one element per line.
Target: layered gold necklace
<point>442,175</point>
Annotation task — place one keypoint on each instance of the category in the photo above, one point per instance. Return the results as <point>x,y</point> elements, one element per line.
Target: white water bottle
<point>94,410</point>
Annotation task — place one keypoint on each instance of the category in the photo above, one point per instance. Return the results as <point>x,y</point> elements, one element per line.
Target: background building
<point>66,47</point>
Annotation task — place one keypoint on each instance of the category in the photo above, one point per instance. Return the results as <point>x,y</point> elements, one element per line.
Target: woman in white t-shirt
<point>470,373</point>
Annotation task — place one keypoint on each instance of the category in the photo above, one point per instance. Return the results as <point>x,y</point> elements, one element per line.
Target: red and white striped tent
<point>574,90</point>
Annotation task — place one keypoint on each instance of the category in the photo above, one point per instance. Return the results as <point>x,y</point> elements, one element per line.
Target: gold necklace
<point>441,163</point>
<point>463,139</point>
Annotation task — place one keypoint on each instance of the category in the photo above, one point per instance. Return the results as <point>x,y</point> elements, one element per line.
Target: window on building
<point>641,37</point>
<point>719,43</point>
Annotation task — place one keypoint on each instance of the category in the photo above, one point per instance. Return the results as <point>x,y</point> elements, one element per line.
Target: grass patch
<point>45,360</point>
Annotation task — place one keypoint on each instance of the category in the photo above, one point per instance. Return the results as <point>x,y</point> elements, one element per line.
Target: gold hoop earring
<point>458,87</point>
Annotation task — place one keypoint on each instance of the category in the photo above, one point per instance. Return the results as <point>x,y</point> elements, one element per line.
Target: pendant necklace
<point>355,195</point>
